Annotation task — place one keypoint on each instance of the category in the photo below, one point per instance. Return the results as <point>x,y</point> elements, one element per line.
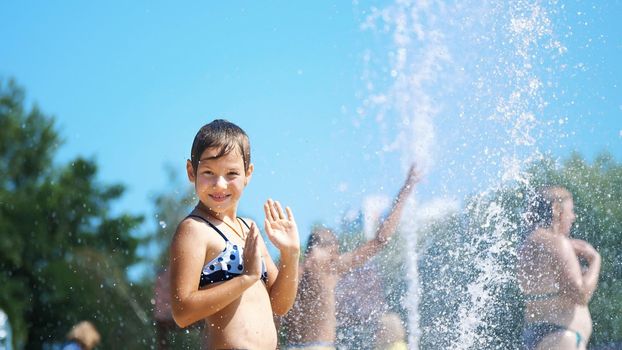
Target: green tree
<point>64,255</point>
<point>170,208</point>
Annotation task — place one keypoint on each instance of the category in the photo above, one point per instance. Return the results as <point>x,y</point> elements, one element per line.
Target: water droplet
<point>162,224</point>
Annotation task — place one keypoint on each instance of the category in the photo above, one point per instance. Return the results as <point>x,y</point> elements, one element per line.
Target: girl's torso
<point>246,323</point>
<point>545,302</point>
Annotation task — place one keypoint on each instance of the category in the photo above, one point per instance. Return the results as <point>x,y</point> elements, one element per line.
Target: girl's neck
<point>231,214</point>
<point>556,229</point>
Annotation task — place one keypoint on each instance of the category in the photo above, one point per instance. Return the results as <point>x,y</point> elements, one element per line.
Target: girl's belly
<point>562,312</point>
<point>246,323</point>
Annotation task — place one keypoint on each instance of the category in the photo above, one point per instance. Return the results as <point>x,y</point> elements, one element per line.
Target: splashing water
<point>459,88</point>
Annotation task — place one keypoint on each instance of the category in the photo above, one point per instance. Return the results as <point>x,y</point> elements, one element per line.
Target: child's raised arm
<point>283,233</point>
<point>358,257</point>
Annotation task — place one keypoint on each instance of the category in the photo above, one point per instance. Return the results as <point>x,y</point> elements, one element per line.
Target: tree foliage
<point>171,208</point>
<point>64,254</point>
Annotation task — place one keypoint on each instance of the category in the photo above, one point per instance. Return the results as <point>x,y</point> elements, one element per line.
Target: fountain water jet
<point>458,88</point>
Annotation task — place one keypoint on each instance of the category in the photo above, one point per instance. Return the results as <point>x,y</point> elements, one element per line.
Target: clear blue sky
<point>131,82</point>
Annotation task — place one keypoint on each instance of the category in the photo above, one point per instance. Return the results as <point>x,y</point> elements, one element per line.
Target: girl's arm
<point>590,275</point>
<point>358,257</point>
<point>576,284</point>
<point>283,233</point>
<point>189,304</point>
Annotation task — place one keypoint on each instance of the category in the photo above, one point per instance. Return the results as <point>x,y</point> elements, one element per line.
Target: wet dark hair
<point>224,135</point>
<point>321,236</point>
<point>540,206</point>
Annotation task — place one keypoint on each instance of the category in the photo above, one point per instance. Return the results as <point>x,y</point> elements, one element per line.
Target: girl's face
<point>567,216</point>
<point>219,182</point>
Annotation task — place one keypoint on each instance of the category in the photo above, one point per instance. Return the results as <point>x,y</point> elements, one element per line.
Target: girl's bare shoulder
<point>543,239</point>
<point>194,230</point>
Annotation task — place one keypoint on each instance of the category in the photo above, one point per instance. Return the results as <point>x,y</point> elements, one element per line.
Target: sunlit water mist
<point>459,88</point>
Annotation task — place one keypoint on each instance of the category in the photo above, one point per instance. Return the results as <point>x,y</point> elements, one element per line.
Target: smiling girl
<point>221,271</point>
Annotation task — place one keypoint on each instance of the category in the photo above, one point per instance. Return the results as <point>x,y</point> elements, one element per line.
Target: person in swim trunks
<point>555,286</point>
<point>221,271</point>
<point>311,324</point>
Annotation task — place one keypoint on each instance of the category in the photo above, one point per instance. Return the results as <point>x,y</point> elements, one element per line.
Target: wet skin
<point>549,262</point>
<point>238,312</point>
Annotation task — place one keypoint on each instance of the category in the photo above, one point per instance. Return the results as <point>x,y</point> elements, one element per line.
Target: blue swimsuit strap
<point>244,222</point>
<point>211,225</point>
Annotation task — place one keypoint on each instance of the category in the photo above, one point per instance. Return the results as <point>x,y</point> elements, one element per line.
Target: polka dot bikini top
<point>228,264</point>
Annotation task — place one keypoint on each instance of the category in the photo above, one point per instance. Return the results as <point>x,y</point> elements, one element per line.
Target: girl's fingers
<point>251,240</point>
<point>266,209</point>
<point>279,210</point>
<point>271,213</point>
<point>254,243</point>
<point>273,210</point>
<point>252,228</point>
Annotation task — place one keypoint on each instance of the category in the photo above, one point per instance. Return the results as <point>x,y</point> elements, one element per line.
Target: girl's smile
<point>219,197</point>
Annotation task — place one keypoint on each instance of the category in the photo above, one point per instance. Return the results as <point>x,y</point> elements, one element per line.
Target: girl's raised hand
<point>414,176</point>
<point>281,230</point>
<point>252,254</point>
